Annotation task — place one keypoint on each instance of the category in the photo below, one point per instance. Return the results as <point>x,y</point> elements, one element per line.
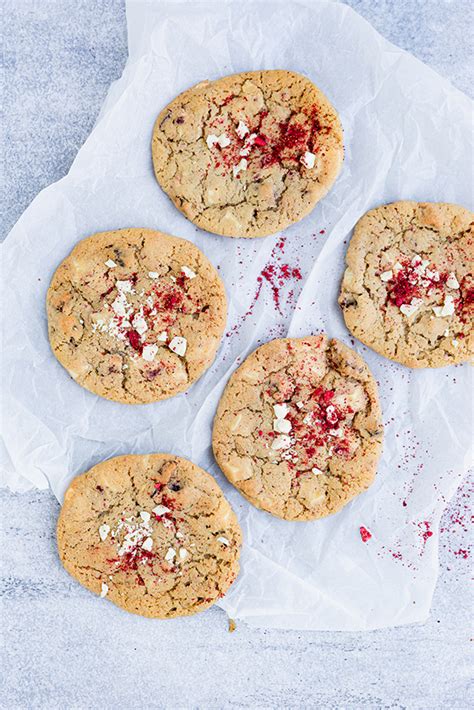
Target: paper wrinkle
<point>407,136</point>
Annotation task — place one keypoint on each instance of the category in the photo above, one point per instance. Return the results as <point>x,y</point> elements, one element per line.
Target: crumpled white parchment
<point>407,136</point>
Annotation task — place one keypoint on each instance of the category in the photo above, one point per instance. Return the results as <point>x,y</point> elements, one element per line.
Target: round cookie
<point>249,154</point>
<point>298,429</point>
<point>154,534</point>
<point>136,315</point>
<point>408,289</point>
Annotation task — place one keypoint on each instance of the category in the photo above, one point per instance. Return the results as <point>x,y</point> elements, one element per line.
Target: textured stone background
<point>61,648</point>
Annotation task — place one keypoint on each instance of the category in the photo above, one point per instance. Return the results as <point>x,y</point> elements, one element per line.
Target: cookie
<point>298,429</point>
<point>408,290</point>
<point>136,315</point>
<point>249,154</point>
<point>154,534</point>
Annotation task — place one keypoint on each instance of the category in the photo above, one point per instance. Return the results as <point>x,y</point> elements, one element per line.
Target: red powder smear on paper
<point>364,534</point>
<point>278,276</point>
<point>426,533</point>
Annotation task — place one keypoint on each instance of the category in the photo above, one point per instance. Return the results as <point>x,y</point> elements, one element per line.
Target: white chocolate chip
<point>308,160</point>
<point>281,442</point>
<point>447,309</point>
<point>386,276</point>
<point>163,336</point>
<point>170,555</point>
<point>111,264</point>
<point>224,541</point>
<point>183,553</point>
<point>300,405</point>
<point>160,510</point>
<point>179,535</point>
<point>455,343</point>
<point>104,531</point>
<point>147,544</point>
<point>317,471</point>
<point>242,130</point>
<point>149,352</point>
<point>189,273</point>
<point>397,267</point>
<point>178,345</point>
<point>104,590</point>
<point>451,281</point>
<point>280,410</point>
<point>153,274</point>
<point>283,426</point>
<point>145,516</point>
<point>241,166</point>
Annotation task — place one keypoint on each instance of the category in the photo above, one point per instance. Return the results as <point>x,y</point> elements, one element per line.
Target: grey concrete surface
<point>60,648</point>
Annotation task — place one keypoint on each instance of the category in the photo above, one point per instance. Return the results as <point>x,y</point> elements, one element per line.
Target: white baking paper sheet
<point>407,136</point>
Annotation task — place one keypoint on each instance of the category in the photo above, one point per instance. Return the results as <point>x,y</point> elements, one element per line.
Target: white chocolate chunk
<point>308,160</point>
<point>149,352</point>
<point>145,516</point>
<point>124,286</point>
<point>409,309</point>
<point>281,442</point>
<point>447,309</point>
<point>223,140</point>
<point>451,281</point>
<point>153,274</point>
<point>223,541</point>
<point>147,544</point>
<point>282,426</point>
<point>111,264</point>
<point>170,555</point>
<point>160,510</point>
<point>104,590</point>
<point>163,336</point>
<point>300,405</point>
<point>317,471</point>
<point>139,323</point>
<point>386,276</point>
<point>104,531</point>
<point>178,345</point>
<point>242,130</point>
<point>241,166</point>
<point>280,410</point>
<point>189,273</point>
<point>183,553</point>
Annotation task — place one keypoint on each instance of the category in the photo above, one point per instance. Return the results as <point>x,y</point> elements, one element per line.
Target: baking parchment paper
<point>407,136</point>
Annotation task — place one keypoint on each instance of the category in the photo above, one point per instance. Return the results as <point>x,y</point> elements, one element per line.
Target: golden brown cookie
<point>298,429</point>
<point>136,315</point>
<point>249,154</point>
<point>154,534</point>
<point>408,290</point>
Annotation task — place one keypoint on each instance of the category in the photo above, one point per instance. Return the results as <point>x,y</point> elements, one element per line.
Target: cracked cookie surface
<point>408,289</point>
<point>136,315</point>
<point>152,533</point>
<point>249,154</point>
<point>298,429</point>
